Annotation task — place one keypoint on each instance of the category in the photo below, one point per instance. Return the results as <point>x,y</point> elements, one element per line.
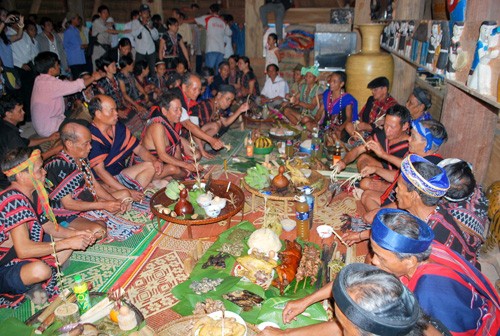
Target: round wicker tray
<point>182,327</point>
<point>291,193</point>
<point>218,188</point>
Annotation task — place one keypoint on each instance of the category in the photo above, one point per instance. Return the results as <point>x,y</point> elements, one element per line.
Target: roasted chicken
<point>290,259</point>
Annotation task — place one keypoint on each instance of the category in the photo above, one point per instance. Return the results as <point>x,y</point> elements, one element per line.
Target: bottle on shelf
<point>82,294</point>
<point>337,154</point>
<point>310,203</point>
<point>302,217</point>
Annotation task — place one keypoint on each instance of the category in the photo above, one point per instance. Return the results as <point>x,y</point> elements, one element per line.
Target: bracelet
<point>20,25</point>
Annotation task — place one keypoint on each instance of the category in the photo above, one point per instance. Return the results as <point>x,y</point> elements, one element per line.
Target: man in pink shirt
<point>47,99</point>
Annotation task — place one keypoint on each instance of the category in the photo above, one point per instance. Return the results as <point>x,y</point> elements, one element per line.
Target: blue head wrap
<point>436,186</point>
<point>312,69</point>
<point>426,133</point>
<point>396,242</point>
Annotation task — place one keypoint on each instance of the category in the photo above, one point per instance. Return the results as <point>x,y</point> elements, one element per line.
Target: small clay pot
<point>280,182</point>
<point>183,207</point>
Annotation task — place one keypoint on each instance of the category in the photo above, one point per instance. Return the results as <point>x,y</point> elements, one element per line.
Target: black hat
<point>378,82</point>
<point>144,7</point>
<point>423,97</point>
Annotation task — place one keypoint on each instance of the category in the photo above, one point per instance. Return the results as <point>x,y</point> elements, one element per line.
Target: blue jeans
<point>279,14</point>
<point>212,59</point>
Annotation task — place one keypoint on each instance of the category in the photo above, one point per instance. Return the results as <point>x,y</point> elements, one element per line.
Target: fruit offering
<point>263,142</point>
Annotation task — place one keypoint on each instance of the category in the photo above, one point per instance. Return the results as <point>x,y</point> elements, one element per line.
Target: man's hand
<point>158,165</point>
<point>26,67</point>
<point>113,206</point>
<point>54,136</point>
<point>243,108</point>
<point>96,76</point>
<point>80,241</point>
<point>270,331</point>
<point>190,167</point>
<point>136,195</point>
<point>375,147</point>
<point>368,170</point>
<point>293,309</point>
<point>216,144</point>
<point>206,155</point>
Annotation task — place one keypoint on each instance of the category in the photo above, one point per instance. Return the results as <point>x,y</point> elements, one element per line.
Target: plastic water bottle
<point>302,217</point>
<point>82,294</point>
<point>315,144</point>
<point>310,202</point>
<point>337,154</point>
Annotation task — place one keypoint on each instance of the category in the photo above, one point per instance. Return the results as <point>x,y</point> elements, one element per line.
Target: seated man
<point>426,138</point>
<point>188,92</point>
<point>372,114</point>
<point>112,145</point>
<point>275,89</point>
<point>76,190</point>
<point>420,188</point>
<point>210,112</point>
<point>368,301</point>
<point>27,224</point>
<point>447,287</point>
<point>389,145</point>
<point>123,48</point>
<point>418,104</point>
<point>11,114</point>
<point>222,78</point>
<point>161,137</point>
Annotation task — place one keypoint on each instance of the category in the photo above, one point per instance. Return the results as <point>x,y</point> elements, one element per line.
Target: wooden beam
<point>409,10</point>
<point>35,6</point>
<point>97,3</point>
<point>471,126</point>
<point>253,28</point>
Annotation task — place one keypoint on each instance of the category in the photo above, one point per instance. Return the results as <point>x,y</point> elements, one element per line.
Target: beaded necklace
<point>86,171</point>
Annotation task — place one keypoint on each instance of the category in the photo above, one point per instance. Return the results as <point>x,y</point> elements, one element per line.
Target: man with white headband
<point>421,186</point>
<point>27,220</point>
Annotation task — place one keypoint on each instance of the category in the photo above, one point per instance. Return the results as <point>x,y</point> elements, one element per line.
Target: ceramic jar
<point>368,64</point>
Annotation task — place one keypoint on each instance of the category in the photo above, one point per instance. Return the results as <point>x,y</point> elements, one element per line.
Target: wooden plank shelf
<point>484,98</point>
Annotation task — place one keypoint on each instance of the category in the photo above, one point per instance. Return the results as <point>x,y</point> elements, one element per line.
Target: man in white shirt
<point>24,52</point>
<point>145,36</point>
<point>275,88</point>
<point>134,16</point>
<point>216,30</point>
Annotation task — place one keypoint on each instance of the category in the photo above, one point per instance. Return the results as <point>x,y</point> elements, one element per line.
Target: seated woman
<point>248,84</point>
<point>110,86</point>
<point>340,108</point>
<point>465,200</point>
<point>162,138</point>
<point>234,71</point>
<point>132,92</point>
<point>141,74</point>
<point>172,47</point>
<point>305,111</point>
